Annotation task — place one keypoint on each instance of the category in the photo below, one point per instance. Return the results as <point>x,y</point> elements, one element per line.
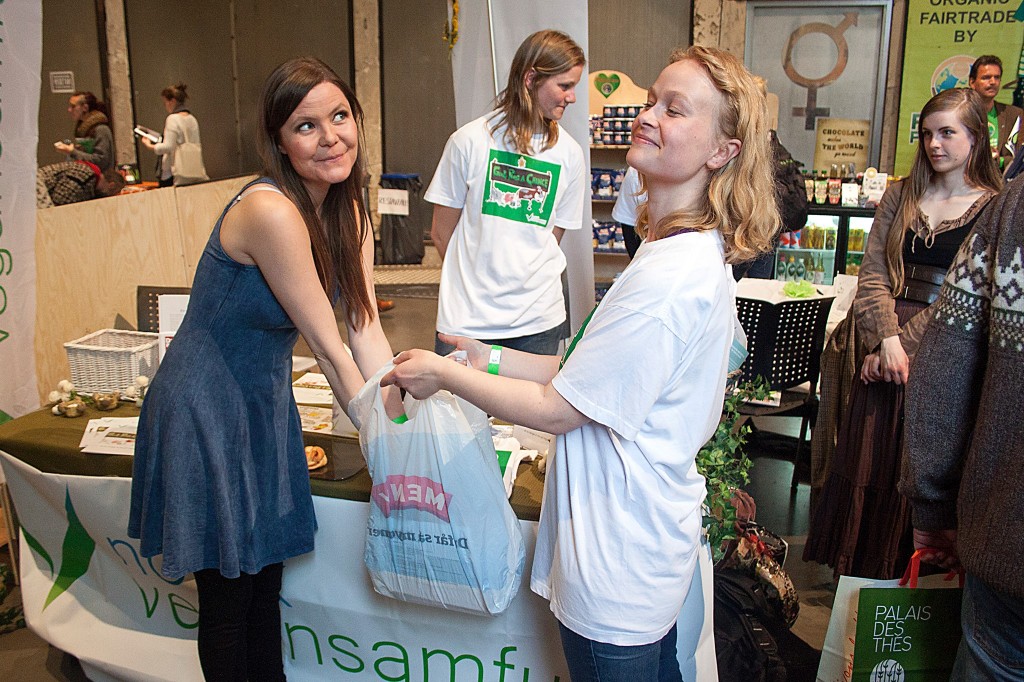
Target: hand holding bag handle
<point>910,575</point>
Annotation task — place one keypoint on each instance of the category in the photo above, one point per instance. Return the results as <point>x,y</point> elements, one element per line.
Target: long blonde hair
<point>548,53</point>
<point>741,194</point>
<point>980,172</point>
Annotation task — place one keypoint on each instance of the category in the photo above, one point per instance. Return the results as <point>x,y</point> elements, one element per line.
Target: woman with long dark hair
<point>220,484</point>
<point>862,524</point>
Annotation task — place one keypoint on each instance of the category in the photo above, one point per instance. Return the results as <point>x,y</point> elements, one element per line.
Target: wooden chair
<point>784,342</point>
<point>146,305</point>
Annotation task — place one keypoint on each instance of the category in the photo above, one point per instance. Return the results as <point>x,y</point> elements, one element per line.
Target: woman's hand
<point>420,372</point>
<point>894,363</point>
<point>63,147</point>
<point>477,352</point>
<point>871,371</point>
<point>146,142</point>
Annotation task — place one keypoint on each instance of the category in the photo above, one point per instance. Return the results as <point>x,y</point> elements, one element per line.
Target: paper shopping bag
<point>908,633</point>
<point>838,650</point>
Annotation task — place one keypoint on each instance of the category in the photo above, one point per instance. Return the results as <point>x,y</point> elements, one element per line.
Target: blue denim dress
<point>220,478</point>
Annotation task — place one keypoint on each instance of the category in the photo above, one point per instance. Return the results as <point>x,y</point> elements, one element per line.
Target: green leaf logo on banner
<point>76,552</point>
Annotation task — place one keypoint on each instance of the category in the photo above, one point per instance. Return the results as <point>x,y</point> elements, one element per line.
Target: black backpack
<point>744,646</point>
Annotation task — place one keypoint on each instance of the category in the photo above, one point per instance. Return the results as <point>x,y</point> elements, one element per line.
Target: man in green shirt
<point>985,77</point>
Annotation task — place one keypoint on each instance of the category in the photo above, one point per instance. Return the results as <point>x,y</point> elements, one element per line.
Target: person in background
<point>627,204</point>
<point>220,485</point>
<point>964,443</point>
<point>94,141</point>
<point>507,187</point>
<point>621,520</point>
<point>862,526</point>
<point>68,182</point>
<point>985,77</point>
<point>180,127</point>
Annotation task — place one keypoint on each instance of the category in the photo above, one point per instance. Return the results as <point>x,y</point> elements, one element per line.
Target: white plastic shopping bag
<point>441,531</point>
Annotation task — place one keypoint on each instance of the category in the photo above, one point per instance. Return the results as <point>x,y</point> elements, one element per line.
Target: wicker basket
<point>110,359</point>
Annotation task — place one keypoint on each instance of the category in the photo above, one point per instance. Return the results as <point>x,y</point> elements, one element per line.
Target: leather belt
<point>922,283</point>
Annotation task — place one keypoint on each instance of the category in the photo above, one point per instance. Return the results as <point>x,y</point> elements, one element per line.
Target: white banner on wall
<point>20,65</point>
<point>87,591</point>
<point>489,34</point>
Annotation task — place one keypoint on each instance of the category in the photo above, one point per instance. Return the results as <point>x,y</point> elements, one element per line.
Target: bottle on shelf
<point>819,270</point>
<point>780,268</point>
<point>793,269</point>
<point>809,268</point>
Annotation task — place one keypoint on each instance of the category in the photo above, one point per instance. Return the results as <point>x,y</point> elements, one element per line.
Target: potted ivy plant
<point>725,466</point>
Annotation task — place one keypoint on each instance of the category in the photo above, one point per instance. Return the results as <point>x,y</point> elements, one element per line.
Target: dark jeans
<point>591,661</point>
<point>541,343</point>
<point>991,648</point>
<point>240,625</point>
<point>166,182</point>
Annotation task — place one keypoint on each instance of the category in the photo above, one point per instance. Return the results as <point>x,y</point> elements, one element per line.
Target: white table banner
<point>88,592</point>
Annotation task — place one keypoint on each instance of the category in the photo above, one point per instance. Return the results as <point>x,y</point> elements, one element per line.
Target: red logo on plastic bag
<point>411,492</point>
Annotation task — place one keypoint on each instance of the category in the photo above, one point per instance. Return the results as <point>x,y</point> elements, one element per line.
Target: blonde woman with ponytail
<point>862,526</point>
<point>620,526</point>
<point>508,185</point>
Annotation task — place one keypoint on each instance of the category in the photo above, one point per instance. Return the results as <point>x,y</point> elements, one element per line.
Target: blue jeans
<point>591,661</point>
<point>991,648</point>
<point>541,343</point>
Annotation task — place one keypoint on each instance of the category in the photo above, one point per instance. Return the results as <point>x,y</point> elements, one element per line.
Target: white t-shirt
<point>619,527</point>
<point>625,208</point>
<point>501,275</point>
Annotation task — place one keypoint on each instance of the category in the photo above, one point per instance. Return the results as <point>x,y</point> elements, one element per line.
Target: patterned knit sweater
<point>963,465</point>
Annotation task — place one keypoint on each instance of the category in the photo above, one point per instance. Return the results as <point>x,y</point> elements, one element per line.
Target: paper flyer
<point>110,436</point>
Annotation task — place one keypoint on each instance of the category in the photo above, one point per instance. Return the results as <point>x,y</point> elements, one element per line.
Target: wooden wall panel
<point>199,206</point>
<point>89,258</point>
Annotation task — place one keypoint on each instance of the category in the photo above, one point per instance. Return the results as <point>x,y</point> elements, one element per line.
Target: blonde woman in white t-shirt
<point>508,185</point>
<point>620,525</point>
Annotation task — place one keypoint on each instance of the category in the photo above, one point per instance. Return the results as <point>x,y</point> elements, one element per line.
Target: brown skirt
<point>861,525</point>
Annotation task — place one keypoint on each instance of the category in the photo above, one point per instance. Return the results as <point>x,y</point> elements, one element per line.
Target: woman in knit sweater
<point>862,526</point>
<point>180,127</point>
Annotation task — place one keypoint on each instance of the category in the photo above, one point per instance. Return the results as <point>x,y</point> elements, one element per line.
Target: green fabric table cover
<point>50,443</point>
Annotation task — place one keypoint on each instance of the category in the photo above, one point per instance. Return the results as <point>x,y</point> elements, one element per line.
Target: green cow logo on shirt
<point>520,188</point>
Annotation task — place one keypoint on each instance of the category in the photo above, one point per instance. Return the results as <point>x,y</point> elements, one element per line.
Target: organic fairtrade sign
<point>841,140</point>
<point>943,40</point>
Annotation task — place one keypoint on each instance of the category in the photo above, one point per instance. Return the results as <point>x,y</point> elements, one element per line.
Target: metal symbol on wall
<point>812,111</point>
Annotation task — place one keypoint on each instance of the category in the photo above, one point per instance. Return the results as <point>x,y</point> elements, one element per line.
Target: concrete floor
<point>24,657</point>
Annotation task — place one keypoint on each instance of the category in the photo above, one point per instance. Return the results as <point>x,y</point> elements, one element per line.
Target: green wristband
<point>401,419</point>
<point>494,361</point>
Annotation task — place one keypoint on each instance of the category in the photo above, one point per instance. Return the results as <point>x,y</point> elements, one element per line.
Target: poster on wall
<point>942,43</point>
<point>841,141</point>
<point>20,80</point>
<point>822,61</point>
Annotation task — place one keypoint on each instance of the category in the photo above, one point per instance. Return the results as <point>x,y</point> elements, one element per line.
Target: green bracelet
<point>494,361</point>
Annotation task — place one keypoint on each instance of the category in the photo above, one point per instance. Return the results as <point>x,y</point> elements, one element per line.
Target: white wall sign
<point>62,81</point>
<point>393,201</point>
